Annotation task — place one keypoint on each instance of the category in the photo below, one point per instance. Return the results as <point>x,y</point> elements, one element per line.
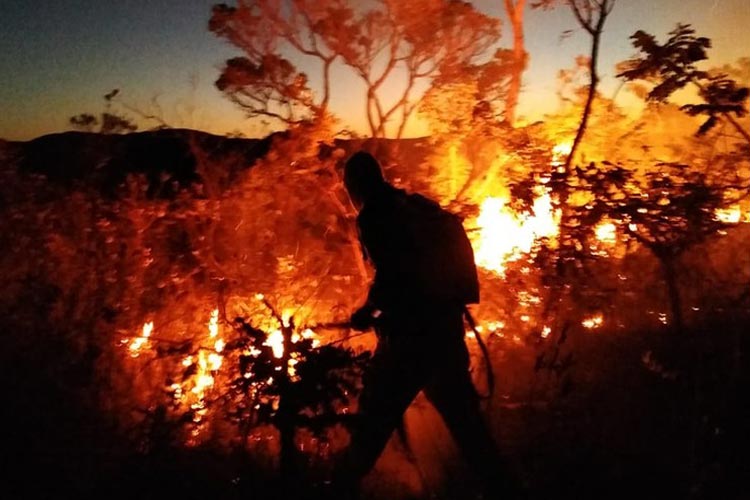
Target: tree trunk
<point>595,29</point>
<point>515,15</point>
<point>673,291</point>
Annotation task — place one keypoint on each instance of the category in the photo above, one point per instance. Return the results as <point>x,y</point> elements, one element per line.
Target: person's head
<point>362,177</point>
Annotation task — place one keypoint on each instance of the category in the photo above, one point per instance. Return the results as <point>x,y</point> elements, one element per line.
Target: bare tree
<point>392,44</point>
<point>591,16</point>
<point>264,82</point>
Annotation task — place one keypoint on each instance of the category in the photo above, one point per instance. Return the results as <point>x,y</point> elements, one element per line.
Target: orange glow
<point>732,215</point>
<point>275,341</point>
<point>560,153</point>
<point>593,322</point>
<point>506,235</point>
<point>606,232</point>
<point>137,343</point>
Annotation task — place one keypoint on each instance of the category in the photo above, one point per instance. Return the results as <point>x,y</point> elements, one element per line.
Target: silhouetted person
<point>420,338</point>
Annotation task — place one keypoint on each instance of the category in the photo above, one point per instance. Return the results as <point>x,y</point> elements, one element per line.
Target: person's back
<point>420,333</point>
<point>422,256</point>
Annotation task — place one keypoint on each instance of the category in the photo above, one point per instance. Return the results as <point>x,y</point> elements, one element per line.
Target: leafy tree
<point>668,210</point>
<point>673,65</point>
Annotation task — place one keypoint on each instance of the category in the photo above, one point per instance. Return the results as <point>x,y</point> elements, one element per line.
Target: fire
<point>505,234</point>
<point>593,322</point>
<point>606,232</point>
<point>275,341</point>
<point>137,343</point>
<point>207,365</point>
<point>560,152</point>
<point>732,215</point>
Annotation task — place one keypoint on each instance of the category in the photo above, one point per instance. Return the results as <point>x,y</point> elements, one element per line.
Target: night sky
<point>59,57</point>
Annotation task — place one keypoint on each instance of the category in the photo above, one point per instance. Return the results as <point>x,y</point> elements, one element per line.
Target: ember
<point>593,322</point>
<point>137,343</point>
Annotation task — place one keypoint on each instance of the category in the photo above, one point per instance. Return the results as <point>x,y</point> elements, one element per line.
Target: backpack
<point>439,252</point>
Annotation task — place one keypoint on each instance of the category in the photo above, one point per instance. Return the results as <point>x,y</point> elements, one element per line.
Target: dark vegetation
<point>105,233</point>
<point>619,412</point>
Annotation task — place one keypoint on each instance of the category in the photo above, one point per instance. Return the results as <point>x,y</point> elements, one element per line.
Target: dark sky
<point>58,57</point>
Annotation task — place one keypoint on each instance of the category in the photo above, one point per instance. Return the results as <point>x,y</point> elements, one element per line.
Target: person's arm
<point>377,234</point>
<point>376,239</point>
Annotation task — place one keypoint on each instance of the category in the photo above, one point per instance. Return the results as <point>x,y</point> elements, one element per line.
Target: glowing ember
<point>593,322</point>
<point>208,362</point>
<point>732,215</point>
<point>213,324</point>
<point>138,342</point>
<point>606,232</point>
<point>275,341</point>
<point>505,235</point>
<point>546,331</point>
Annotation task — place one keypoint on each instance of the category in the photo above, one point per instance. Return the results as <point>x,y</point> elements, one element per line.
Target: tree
<point>668,210</point>
<point>264,82</point>
<point>388,45</point>
<point>672,66</point>
<point>109,121</point>
<point>591,15</point>
<point>515,11</point>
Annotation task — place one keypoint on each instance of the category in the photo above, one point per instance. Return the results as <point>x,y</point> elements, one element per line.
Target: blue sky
<point>59,57</point>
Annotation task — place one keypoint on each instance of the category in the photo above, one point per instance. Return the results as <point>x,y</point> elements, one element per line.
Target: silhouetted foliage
<point>673,65</point>
<point>109,121</point>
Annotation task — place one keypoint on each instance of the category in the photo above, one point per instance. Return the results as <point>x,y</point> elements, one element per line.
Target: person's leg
<point>452,393</point>
<point>389,387</point>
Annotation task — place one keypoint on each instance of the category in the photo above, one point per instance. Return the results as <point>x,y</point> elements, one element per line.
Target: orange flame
<point>137,343</point>
<point>505,235</point>
<point>732,215</point>
<point>593,322</point>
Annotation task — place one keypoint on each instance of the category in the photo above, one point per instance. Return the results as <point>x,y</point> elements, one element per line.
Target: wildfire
<point>560,152</point>
<point>505,234</point>
<point>606,232</point>
<point>137,343</point>
<point>732,215</point>
<point>275,341</point>
<point>208,363</point>
<point>593,322</point>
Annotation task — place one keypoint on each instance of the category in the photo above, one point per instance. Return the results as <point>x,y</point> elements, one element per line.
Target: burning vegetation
<point>204,315</point>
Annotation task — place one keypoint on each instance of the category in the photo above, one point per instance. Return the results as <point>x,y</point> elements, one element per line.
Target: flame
<point>593,322</point>
<point>213,324</point>
<point>137,343</point>
<point>202,369</point>
<point>732,215</point>
<point>275,341</point>
<point>606,232</point>
<point>207,365</point>
<point>505,234</point>
<point>560,152</point>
